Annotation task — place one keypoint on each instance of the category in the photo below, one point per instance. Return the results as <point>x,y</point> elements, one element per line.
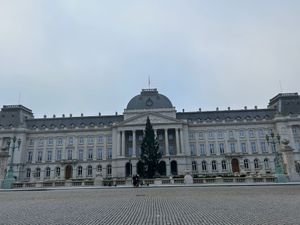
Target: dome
<point>149,99</point>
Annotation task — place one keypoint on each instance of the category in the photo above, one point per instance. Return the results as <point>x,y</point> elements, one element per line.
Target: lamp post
<point>274,140</point>
<point>9,178</point>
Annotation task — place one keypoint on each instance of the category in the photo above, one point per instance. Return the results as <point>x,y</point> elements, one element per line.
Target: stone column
<point>166,143</point>
<point>181,141</point>
<point>119,153</point>
<point>177,141</point>
<point>133,143</point>
<point>123,143</point>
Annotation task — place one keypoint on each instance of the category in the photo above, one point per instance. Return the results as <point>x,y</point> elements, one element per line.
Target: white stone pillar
<point>133,143</point>
<point>119,153</point>
<point>177,141</point>
<point>166,143</point>
<point>181,141</point>
<point>123,143</point>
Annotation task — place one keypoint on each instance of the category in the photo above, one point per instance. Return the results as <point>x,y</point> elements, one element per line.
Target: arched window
<point>48,171</point>
<point>79,171</point>
<point>99,168</point>
<point>266,163</point>
<point>28,172</point>
<point>203,164</point>
<point>89,171</point>
<point>256,164</point>
<point>57,172</point>
<point>246,163</point>
<point>214,165</point>
<point>224,165</point>
<point>194,166</point>
<point>38,173</point>
<point>108,170</point>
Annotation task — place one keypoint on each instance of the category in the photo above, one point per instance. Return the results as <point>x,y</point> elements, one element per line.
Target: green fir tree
<point>150,154</point>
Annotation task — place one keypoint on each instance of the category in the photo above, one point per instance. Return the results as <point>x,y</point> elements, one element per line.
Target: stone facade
<point>211,143</point>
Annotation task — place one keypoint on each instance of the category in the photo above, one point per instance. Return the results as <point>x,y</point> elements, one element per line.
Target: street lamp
<point>274,140</point>
<point>9,178</point>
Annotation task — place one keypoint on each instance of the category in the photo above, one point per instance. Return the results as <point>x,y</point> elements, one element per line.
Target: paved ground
<point>178,205</point>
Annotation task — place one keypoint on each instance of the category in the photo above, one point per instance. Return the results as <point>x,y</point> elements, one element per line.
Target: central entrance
<point>235,166</point>
<point>68,172</point>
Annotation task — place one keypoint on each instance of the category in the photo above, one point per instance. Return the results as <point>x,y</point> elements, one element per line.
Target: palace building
<point>216,143</point>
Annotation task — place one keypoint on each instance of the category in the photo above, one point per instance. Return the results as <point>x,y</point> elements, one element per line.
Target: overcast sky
<point>93,56</point>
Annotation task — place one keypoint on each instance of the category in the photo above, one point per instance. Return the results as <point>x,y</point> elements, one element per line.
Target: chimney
<point>81,114</point>
<point>199,109</point>
<point>70,114</point>
<point>255,107</point>
<point>99,113</point>
<point>217,108</point>
<point>182,110</point>
<point>54,116</point>
<point>245,107</point>
<point>45,116</point>
<point>228,108</point>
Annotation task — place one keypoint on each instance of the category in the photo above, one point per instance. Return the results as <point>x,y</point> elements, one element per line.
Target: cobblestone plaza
<point>176,205</point>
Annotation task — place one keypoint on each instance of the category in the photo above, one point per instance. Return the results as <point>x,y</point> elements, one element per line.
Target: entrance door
<point>174,167</point>
<point>68,172</point>
<point>235,166</point>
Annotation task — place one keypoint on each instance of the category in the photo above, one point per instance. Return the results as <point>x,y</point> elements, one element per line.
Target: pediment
<point>155,118</point>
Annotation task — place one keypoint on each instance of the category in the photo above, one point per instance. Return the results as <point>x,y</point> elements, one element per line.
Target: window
<point>251,134</point>
<point>100,139</point>
<point>89,171</point>
<point>79,171</point>
<point>38,173</point>
<point>210,135</point>
<point>273,147</point>
<point>266,163</point>
<point>201,135</point>
<point>221,148</point>
<point>109,153</point>
<point>256,164</point>
<point>41,142</point>
<point>130,151</point>
<point>202,149</point>
<point>140,137</point>
<point>203,164</point>
<point>29,157</point>
<point>232,147</point>
<point>28,173</point>
<point>242,133</point>
<point>80,154</point>
<point>160,137</point>
<point>246,164</point>
<point>99,153</point>
<point>59,141</point>
<point>212,148</point>
<point>108,170</point>
<point>220,135</point>
<point>109,139</point>
<point>130,138</point>
<point>214,165</point>
<point>71,140</point>
<point>171,137</point>
<point>58,154</point>
<point>194,166</point>
<point>261,133</point>
<point>40,156</point>
<point>99,168</point>
<point>69,156</point>
<point>31,142</point>
<point>244,147</point>
<point>223,165</point>
<point>90,140</point>
<point>294,130</point>
<point>191,135</point>
<point>57,172</point>
<point>81,140</point>
<point>49,156</point>
<point>297,165</point>
<point>50,141</point>
<point>253,147</point>
<point>48,171</point>
<point>263,147</point>
<point>230,134</point>
<point>90,153</point>
<point>193,149</point>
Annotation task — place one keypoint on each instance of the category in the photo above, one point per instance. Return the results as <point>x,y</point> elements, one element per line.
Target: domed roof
<point>149,99</point>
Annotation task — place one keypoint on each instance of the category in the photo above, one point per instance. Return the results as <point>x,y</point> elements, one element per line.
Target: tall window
<point>251,134</point>
<point>212,148</point>
<point>49,155</point>
<point>242,133</point>
<point>38,173</point>
<point>210,135</point>
<point>100,139</point>
<point>246,163</point>
<point>108,170</point>
<point>109,152</point>
<point>261,133</point>
<point>232,147</point>
<point>90,154</point>
<point>191,135</point>
<point>99,168</point>
<point>256,164</point>
<point>201,135</point>
<point>80,154</point>
<point>79,171</point>
<point>203,164</point>
<point>266,163</point>
<point>202,149</point>
<point>89,171</point>
<point>48,171</point>
<point>29,157</point>
<point>28,172</point>
<point>109,139</point>
<point>263,147</point>
<point>90,140</point>
<point>50,141</point>
<point>194,166</point>
<point>71,140</point>
<point>193,149</point>
<point>99,154</point>
<point>214,165</point>
<point>81,140</point>
<point>40,156</point>
<point>253,147</point>
<point>59,141</point>
<point>231,134</point>
<point>223,165</point>
<point>69,156</point>
<point>31,142</point>
<point>243,147</point>
<point>220,134</point>
<point>58,154</point>
<point>57,172</point>
<point>221,148</point>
